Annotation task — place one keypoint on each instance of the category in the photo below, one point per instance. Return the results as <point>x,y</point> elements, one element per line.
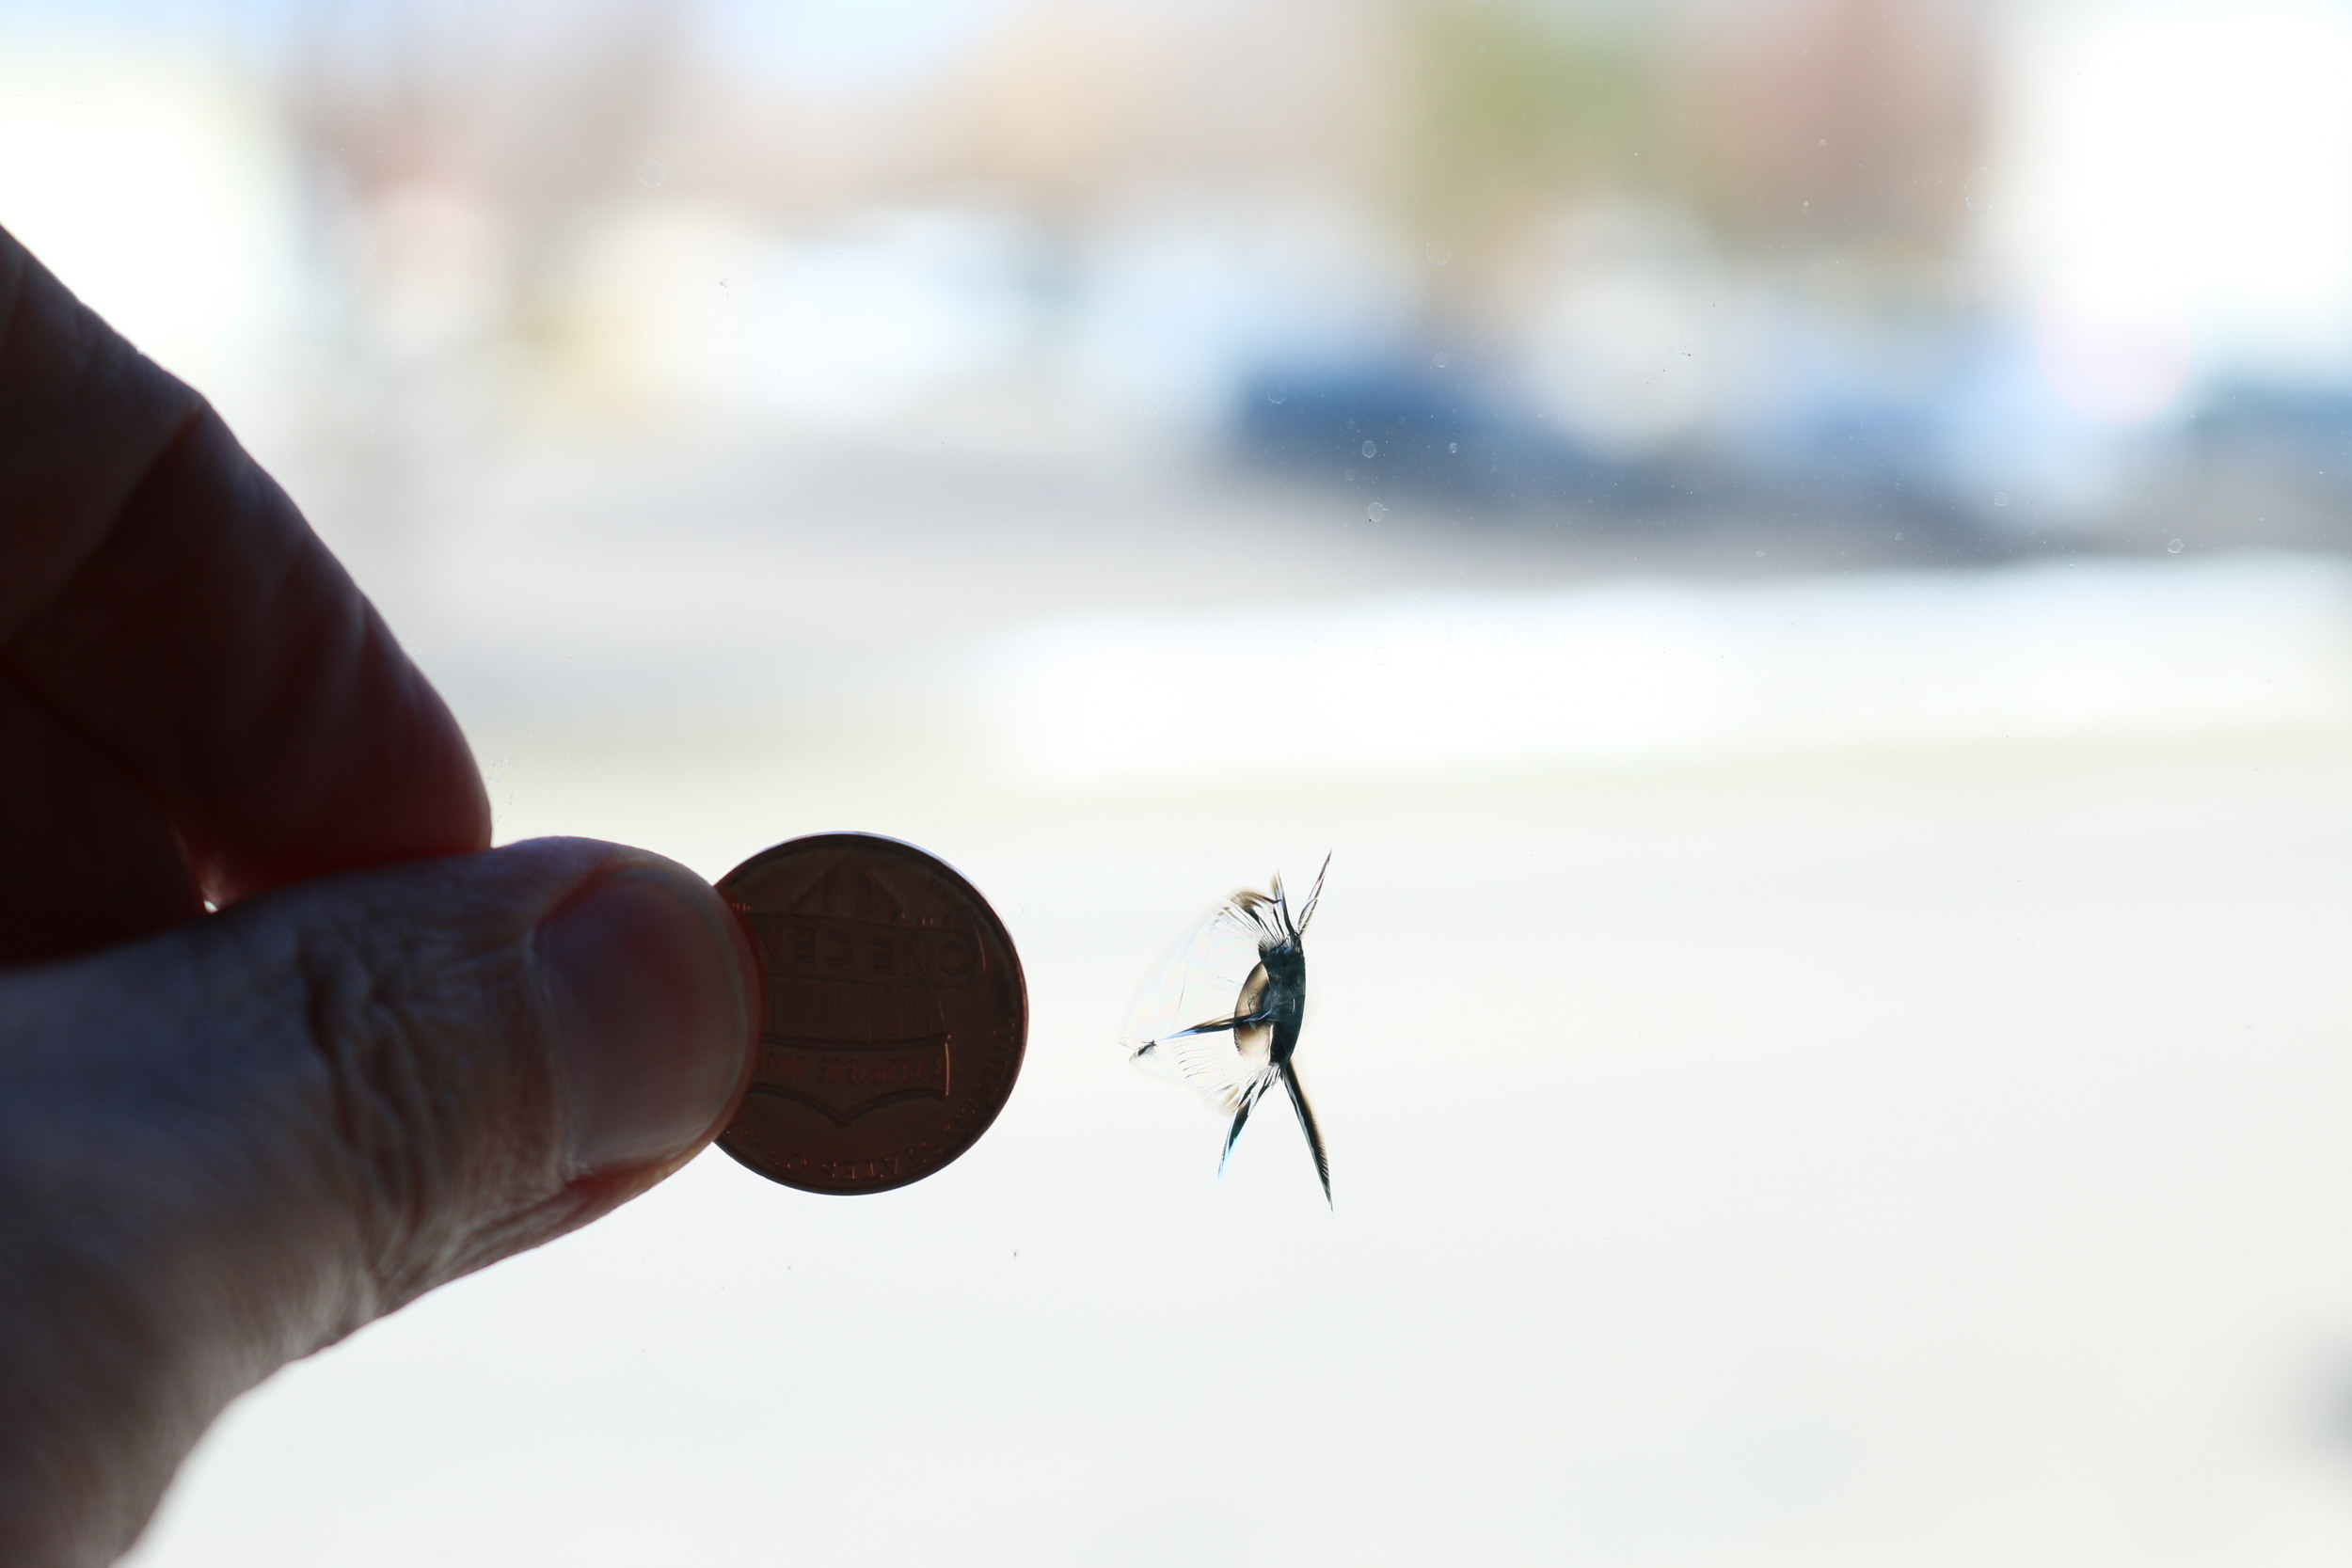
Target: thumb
<point>224,1147</point>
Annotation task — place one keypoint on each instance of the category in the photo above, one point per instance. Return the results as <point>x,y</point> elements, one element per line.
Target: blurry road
<point>1935,1164</point>
<point>1920,1152</point>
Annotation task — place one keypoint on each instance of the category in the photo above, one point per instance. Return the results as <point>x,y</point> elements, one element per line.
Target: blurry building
<point>2017,273</point>
<point>1820,124</point>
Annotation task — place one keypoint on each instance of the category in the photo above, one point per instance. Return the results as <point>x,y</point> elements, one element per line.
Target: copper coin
<point>894,1016</point>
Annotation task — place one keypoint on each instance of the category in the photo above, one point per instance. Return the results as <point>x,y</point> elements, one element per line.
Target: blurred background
<point>1793,551</point>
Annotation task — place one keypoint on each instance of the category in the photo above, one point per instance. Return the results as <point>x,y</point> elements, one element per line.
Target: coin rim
<point>1019,985</point>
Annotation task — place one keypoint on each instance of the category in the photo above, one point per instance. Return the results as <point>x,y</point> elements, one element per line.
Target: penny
<point>893,1016</point>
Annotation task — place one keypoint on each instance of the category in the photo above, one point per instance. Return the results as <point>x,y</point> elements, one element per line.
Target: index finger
<point>163,602</point>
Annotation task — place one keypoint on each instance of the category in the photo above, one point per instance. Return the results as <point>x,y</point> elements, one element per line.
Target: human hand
<point>395,1055</point>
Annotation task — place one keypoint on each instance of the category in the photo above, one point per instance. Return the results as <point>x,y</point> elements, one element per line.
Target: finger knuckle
<point>427,1100</point>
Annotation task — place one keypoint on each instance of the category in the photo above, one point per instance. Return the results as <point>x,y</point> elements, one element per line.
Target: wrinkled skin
<point>395,1054</point>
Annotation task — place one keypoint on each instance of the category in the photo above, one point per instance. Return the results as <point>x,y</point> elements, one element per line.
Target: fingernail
<point>649,1012</point>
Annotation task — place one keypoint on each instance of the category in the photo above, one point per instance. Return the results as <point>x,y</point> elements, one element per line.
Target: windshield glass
<point>1788,552</point>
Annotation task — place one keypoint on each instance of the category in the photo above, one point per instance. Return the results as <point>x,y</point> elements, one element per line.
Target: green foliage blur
<point>1521,106</point>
